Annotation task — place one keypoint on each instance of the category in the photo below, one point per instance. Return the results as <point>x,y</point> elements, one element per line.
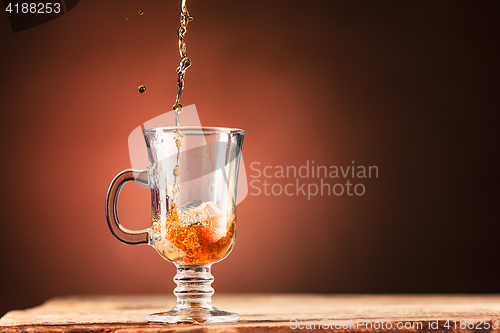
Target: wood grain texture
<point>262,312</point>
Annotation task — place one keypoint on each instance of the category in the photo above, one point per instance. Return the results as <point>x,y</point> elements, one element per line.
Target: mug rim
<point>225,130</point>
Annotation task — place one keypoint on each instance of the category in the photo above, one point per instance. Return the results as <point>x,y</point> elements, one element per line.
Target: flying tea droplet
<point>141,89</point>
<point>141,12</point>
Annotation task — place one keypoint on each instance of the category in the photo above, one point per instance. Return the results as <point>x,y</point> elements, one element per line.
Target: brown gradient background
<point>411,87</point>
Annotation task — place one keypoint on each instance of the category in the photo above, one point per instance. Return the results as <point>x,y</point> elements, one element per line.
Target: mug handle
<point>127,236</point>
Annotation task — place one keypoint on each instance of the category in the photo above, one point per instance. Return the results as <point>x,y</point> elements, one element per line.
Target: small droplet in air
<point>126,18</point>
<point>141,89</point>
<point>141,12</point>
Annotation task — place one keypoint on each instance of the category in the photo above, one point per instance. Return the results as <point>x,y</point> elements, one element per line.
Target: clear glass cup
<point>199,228</point>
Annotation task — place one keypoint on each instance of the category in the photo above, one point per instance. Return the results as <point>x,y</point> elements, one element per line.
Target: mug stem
<point>194,299</point>
<point>194,286</point>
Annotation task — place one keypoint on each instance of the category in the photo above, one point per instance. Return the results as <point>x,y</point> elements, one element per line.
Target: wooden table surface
<point>267,312</point>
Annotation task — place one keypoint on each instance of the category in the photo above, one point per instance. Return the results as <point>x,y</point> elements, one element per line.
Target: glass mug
<point>198,227</point>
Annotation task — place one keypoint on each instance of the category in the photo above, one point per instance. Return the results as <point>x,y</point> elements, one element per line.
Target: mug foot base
<point>194,316</point>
